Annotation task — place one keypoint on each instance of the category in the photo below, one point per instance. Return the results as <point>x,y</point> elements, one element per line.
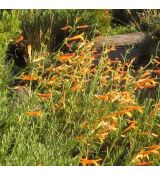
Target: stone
<point>122,43</point>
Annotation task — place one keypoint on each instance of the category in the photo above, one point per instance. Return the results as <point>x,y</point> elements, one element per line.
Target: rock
<point>122,43</point>
<point>119,40</point>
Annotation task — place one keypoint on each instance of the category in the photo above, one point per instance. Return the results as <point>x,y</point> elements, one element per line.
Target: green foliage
<point>120,30</point>
<point>150,25</point>
<point>149,21</point>
<point>9,26</point>
<point>43,27</point>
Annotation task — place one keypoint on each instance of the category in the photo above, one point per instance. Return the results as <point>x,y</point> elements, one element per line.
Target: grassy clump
<point>74,112</point>
<point>43,27</point>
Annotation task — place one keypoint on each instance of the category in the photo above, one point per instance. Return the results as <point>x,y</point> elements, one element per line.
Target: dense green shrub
<point>9,27</point>
<point>150,25</point>
<point>44,26</point>
<point>124,16</point>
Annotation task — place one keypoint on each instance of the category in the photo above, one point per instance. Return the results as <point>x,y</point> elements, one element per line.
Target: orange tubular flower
<point>29,77</point>
<point>156,71</point>
<point>138,108</point>
<point>127,112</point>
<point>66,57</point>
<point>20,38</point>
<point>34,113</point>
<point>45,96</point>
<point>132,126</point>
<point>82,27</point>
<point>85,162</point>
<point>144,163</point>
<point>146,152</point>
<point>66,28</point>
<point>153,147</point>
<point>145,83</point>
<point>102,97</point>
<point>77,37</point>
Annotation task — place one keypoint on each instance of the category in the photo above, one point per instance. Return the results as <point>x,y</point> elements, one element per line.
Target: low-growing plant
<point>76,112</point>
